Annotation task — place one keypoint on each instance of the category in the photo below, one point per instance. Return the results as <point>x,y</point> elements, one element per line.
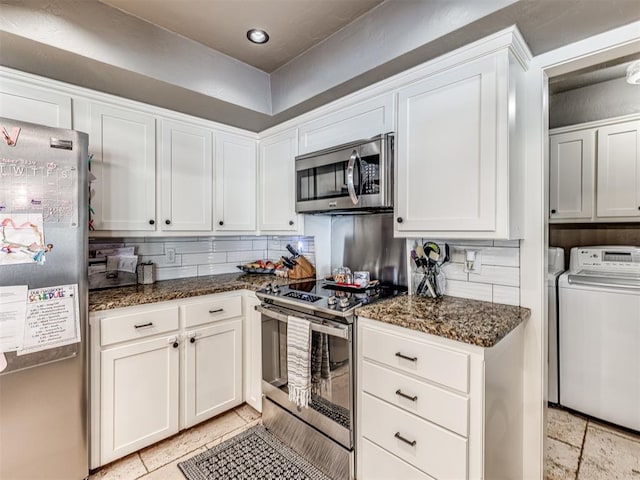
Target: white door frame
<point>533,248</point>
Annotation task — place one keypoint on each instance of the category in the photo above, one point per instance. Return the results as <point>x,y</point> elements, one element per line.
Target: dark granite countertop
<point>469,321</point>
<point>165,290</point>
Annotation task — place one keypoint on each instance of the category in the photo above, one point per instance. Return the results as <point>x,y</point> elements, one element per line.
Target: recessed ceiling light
<point>258,36</point>
<point>633,73</point>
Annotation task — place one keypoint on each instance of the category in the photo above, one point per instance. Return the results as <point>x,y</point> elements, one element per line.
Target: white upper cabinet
<point>571,172</point>
<point>186,177</point>
<point>363,120</point>
<point>235,183</point>
<point>594,171</point>
<point>35,105</point>
<point>276,183</point>
<point>618,188</point>
<point>123,143</point>
<point>454,155</point>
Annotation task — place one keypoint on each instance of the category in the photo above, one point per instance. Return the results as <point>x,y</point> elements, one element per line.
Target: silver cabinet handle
<point>142,325</point>
<point>217,310</point>
<point>404,395</point>
<point>408,442</point>
<point>411,359</point>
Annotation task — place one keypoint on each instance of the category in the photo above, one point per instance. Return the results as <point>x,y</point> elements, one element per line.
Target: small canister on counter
<point>361,279</point>
<point>146,273</point>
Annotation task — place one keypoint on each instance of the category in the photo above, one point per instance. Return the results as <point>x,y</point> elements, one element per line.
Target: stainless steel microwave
<point>346,178</point>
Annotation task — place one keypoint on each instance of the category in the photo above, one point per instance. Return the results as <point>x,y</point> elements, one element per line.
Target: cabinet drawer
<point>378,464</point>
<point>432,449</point>
<point>435,404</point>
<point>212,310</point>
<point>437,364</point>
<point>134,325</point>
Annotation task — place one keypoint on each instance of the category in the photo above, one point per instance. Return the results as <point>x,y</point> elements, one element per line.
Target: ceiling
<point>591,75</point>
<point>192,56</point>
<point>293,26</point>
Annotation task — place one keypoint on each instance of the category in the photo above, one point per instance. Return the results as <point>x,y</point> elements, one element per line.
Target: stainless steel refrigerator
<point>43,393</point>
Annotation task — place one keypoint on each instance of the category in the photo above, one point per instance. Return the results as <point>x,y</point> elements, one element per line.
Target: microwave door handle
<point>350,185</point>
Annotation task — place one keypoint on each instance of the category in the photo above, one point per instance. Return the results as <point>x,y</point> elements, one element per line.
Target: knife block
<point>303,269</point>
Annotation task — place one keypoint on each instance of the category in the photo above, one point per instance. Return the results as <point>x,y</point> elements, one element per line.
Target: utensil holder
<point>421,281</point>
<point>303,269</point>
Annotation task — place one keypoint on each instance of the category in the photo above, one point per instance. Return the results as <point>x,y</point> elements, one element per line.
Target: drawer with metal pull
<point>432,449</point>
<point>207,311</point>
<point>378,464</point>
<point>436,364</point>
<point>134,324</point>
<point>440,406</point>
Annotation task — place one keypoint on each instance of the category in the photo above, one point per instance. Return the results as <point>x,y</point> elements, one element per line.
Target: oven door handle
<point>333,331</point>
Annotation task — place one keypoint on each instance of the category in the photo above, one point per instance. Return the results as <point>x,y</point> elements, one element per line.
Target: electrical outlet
<point>171,255</point>
<point>472,261</point>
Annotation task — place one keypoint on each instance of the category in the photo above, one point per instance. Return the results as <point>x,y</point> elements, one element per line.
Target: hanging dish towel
<point>320,371</point>
<point>299,360</point>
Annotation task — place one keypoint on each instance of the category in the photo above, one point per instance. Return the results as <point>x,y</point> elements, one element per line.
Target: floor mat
<point>252,454</point>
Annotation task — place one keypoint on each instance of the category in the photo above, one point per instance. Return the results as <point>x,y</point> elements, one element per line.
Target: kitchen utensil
<point>287,262</point>
<point>293,251</point>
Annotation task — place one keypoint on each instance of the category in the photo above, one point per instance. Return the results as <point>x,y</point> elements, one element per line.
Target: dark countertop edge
<point>179,289</point>
<point>160,297</point>
<point>409,322</point>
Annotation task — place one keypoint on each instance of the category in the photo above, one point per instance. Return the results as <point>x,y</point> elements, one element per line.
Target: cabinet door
<point>124,146</point>
<point>362,120</point>
<point>29,104</point>
<point>138,395</point>
<point>571,171</point>
<point>277,199</point>
<point>212,371</point>
<point>447,147</point>
<point>252,353</point>
<point>618,188</point>
<point>235,183</point>
<point>186,177</point>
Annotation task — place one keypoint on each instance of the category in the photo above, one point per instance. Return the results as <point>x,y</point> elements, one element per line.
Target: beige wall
<point>580,235</point>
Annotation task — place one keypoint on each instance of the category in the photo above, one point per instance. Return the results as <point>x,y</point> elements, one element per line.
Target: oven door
<point>331,407</point>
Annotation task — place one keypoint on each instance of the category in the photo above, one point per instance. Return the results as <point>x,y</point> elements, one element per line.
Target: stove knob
<point>332,300</point>
<point>344,302</point>
<point>268,288</point>
<point>275,289</point>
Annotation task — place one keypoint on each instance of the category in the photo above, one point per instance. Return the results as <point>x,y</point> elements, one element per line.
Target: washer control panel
<point>613,259</point>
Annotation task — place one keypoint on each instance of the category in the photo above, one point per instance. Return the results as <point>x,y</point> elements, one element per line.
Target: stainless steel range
<point>323,432</point>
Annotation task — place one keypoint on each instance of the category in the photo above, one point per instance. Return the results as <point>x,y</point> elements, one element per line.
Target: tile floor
<point>580,448</point>
<point>160,461</point>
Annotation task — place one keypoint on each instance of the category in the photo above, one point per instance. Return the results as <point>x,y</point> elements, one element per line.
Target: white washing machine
<point>556,268</point>
<point>599,331</point>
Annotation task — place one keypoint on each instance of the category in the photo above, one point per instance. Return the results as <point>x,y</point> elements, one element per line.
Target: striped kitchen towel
<point>299,360</point>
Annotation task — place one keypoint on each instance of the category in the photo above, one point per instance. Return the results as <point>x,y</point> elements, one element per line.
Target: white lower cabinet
<point>139,394</point>
<point>252,353</point>
<point>159,368</point>
<point>212,371</point>
<point>433,408</point>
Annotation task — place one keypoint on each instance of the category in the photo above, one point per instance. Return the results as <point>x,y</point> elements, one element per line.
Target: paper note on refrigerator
<point>21,238</point>
<point>13,309</point>
<point>53,318</point>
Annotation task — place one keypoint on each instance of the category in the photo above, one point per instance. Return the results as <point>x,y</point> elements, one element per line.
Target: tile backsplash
<point>200,256</point>
<point>499,277</point>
